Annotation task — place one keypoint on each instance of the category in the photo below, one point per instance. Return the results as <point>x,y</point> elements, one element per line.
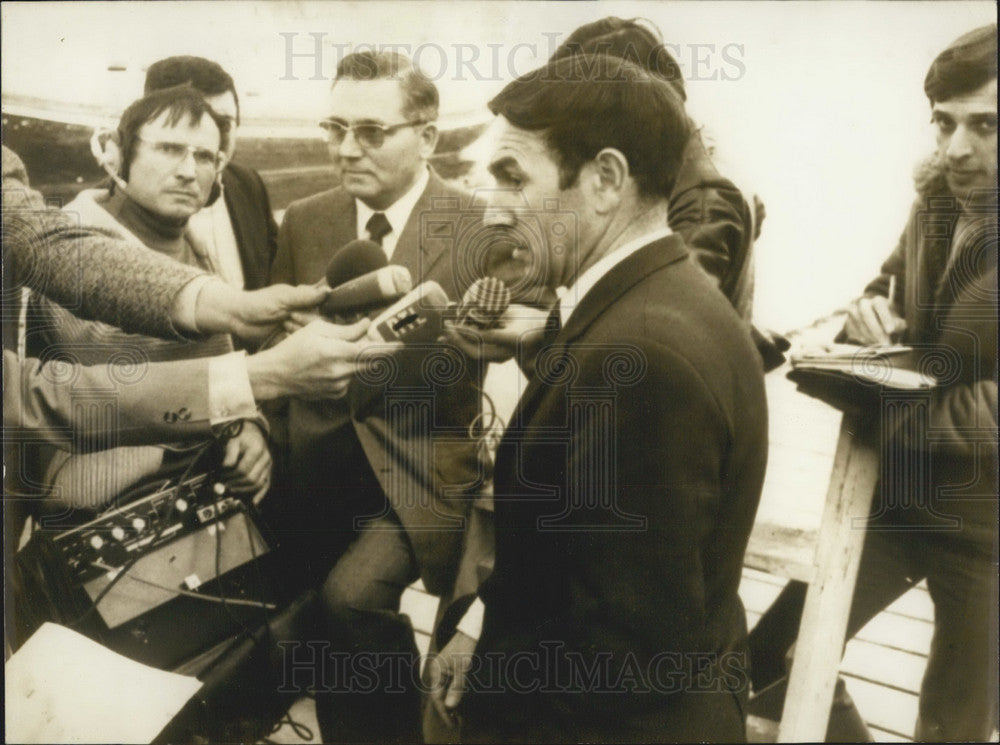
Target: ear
<point>428,140</point>
<point>609,178</point>
<point>106,149</point>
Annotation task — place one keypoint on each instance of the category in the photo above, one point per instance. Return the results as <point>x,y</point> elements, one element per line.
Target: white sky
<point>825,117</point>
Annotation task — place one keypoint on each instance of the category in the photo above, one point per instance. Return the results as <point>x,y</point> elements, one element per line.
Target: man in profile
<point>628,478</point>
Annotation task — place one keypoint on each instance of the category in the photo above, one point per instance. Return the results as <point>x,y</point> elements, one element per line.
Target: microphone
<point>354,259</point>
<point>416,318</point>
<point>483,303</point>
<point>351,262</point>
<point>372,290</point>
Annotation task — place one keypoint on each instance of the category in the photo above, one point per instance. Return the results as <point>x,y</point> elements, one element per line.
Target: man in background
<point>377,486</point>
<point>239,228</point>
<point>705,208</point>
<point>935,512</point>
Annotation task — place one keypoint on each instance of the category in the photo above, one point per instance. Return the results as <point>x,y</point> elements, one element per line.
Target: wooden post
<point>828,602</point>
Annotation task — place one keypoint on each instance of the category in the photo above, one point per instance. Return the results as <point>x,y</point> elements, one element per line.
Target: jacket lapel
<point>608,289</point>
<point>416,251</point>
<point>235,206</point>
<point>341,216</point>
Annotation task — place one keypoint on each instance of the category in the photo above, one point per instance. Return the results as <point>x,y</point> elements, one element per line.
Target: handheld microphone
<point>416,318</point>
<point>372,290</point>
<point>483,303</point>
<point>353,260</point>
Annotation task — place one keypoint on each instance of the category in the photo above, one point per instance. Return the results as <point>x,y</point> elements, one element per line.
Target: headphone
<point>106,149</point>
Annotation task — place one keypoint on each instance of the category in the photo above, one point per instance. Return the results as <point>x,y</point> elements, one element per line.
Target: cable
<point>487,427</point>
<point>125,568</point>
<point>302,731</point>
<point>218,577</point>
<point>256,564</point>
<point>187,593</point>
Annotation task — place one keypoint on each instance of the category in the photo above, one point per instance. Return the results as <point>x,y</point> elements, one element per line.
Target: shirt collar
<point>399,211</point>
<point>570,298</point>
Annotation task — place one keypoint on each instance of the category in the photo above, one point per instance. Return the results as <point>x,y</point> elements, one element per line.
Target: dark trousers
<point>370,691</point>
<point>958,695</point>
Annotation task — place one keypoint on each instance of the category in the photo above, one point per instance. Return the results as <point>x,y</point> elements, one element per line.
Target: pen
<point>892,290</point>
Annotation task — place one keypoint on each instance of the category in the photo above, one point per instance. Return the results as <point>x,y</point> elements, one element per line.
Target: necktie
<point>553,325</point>
<point>378,227</point>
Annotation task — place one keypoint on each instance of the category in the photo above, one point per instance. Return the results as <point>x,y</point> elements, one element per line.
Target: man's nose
<point>959,144</point>
<point>186,167</point>
<point>499,217</point>
<point>501,207</point>
<point>349,147</point>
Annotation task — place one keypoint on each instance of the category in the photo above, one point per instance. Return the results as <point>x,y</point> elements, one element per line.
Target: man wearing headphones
<point>171,144</point>
<point>239,227</point>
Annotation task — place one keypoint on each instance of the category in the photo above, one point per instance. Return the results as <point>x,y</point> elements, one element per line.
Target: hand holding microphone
<point>361,281</point>
<point>419,317</point>
<point>489,328</point>
<point>484,303</point>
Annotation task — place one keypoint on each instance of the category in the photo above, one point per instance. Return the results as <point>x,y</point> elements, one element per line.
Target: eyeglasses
<point>175,152</point>
<point>370,136</point>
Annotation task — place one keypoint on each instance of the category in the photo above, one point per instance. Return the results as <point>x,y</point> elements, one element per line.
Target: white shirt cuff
<point>472,622</point>
<point>185,310</point>
<point>229,393</point>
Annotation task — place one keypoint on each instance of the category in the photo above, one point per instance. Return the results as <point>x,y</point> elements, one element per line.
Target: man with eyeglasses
<point>376,496</point>
<point>171,145</point>
<point>239,228</point>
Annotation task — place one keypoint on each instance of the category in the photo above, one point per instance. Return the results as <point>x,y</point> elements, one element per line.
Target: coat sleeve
<point>93,271</point>
<point>711,222</point>
<point>169,402</point>
<point>961,416</point>
<point>709,212</point>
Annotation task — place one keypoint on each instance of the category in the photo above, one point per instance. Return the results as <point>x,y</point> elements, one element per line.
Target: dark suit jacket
<point>413,426</point>
<point>625,489</point>
<point>253,223</point>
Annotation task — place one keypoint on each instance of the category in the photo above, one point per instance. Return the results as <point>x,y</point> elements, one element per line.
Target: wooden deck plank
<point>886,708</point>
<point>898,632</point>
<point>880,735</point>
<point>916,603</point>
<point>756,594</point>
<point>878,664</point>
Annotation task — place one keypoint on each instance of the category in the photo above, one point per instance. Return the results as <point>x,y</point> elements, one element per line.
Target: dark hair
<point>628,39</point>
<point>421,94</point>
<point>179,102</point>
<point>202,74</point>
<point>968,63</point>
<point>587,102</point>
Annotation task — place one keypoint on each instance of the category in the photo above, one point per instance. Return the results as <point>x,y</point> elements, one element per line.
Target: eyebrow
<point>974,118</point>
<point>357,122</point>
<point>503,167</point>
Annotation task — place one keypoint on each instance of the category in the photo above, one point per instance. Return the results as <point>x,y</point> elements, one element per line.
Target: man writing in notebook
<point>935,512</point>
